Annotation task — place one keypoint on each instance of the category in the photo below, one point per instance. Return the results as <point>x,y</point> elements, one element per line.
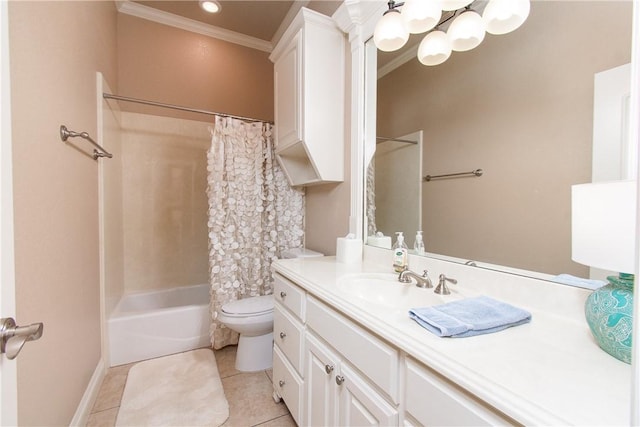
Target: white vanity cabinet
<point>430,400</point>
<point>288,337</point>
<point>336,393</point>
<point>309,84</point>
<point>330,370</point>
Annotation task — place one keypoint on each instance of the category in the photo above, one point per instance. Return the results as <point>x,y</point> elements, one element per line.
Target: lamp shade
<point>435,48</point>
<point>466,31</point>
<point>504,16</point>
<point>390,33</point>
<point>454,4</point>
<point>603,225</point>
<point>421,15</point>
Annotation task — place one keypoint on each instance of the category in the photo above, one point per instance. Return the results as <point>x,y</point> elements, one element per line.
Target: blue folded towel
<point>568,279</point>
<point>469,317</point>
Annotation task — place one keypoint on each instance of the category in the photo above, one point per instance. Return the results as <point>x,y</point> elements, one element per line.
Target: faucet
<point>421,281</point>
<point>442,285</point>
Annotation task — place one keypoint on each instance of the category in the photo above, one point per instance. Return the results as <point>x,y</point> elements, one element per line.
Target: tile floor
<point>249,396</point>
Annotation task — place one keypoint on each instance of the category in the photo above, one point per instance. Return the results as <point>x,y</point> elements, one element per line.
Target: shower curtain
<point>253,216</point>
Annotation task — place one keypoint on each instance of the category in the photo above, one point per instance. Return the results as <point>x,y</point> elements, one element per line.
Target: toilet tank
<point>300,253</point>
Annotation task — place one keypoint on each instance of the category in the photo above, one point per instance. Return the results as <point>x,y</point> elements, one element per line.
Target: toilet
<point>252,318</point>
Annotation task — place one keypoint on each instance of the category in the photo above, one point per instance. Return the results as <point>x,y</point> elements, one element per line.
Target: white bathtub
<point>157,323</point>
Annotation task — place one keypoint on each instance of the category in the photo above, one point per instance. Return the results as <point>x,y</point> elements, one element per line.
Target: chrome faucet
<point>442,285</point>
<point>421,281</point>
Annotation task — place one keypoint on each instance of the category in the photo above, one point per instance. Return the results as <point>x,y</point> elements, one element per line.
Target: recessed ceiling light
<point>210,6</point>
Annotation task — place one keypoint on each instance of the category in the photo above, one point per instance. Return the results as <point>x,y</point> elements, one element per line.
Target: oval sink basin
<point>384,289</point>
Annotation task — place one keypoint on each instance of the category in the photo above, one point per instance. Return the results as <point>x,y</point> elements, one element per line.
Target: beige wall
<point>169,65</point>
<point>56,49</point>
<point>520,107</point>
<point>164,177</point>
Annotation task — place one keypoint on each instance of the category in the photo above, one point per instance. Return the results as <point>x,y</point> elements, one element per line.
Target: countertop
<point>547,372</point>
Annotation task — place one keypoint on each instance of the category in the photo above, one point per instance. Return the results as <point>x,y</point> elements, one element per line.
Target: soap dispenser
<point>418,246</point>
<point>400,253</point>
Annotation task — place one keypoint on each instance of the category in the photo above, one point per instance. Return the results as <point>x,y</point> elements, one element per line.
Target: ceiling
<point>256,18</point>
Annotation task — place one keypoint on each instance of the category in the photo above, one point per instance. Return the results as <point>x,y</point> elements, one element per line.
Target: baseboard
<point>90,394</point>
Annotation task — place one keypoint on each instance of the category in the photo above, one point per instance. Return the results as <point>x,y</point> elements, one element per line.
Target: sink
<point>384,289</point>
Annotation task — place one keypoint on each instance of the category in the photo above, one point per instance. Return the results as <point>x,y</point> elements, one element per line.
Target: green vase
<point>609,313</point>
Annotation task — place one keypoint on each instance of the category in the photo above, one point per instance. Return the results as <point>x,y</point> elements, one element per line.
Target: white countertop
<point>547,372</point>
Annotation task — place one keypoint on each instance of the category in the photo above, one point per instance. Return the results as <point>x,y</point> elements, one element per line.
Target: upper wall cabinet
<point>309,75</point>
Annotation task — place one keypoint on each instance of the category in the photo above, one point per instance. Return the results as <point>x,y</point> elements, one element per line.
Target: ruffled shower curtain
<point>253,216</point>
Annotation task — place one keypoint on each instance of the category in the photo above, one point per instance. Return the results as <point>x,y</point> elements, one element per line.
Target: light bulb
<point>390,33</point>
<point>504,16</point>
<point>435,48</point>
<point>455,4</point>
<point>421,15</point>
<point>210,6</point>
<point>466,31</point>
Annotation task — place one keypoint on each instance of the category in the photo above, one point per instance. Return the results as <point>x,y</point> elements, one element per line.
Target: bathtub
<point>157,323</point>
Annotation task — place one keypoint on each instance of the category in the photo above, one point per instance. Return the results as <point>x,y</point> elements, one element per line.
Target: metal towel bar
<point>477,172</point>
<point>66,134</point>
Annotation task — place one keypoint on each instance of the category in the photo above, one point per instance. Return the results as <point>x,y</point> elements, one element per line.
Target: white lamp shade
<point>466,31</point>
<point>421,15</point>
<point>504,16</point>
<point>435,48</point>
<point>603,225</point>
<point>390,33</point>
<point>455,4</point>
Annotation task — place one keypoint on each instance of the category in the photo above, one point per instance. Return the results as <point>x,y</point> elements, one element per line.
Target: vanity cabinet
<point>288,336</point>
<point>336,394</point>
<point>309,84</point>
<point>431,400</point>
<point>330,371</point>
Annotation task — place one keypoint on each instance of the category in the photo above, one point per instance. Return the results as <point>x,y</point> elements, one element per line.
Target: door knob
<point>13,337</point>
<point>339,379</point>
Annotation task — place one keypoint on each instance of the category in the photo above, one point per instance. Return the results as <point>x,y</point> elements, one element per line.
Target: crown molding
<point>288,19</point>
<point>398,61</point>
<point>145,12</point>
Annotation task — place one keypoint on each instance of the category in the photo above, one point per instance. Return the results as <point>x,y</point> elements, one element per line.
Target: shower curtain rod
<point>179,107</point>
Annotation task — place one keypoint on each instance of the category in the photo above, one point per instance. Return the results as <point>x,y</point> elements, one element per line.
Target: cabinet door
<point>359,404</point>
<point>320,387</point>
<point>288,94</point>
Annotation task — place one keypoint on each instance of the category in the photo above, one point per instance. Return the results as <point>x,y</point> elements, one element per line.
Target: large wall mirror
<point>521,108</point>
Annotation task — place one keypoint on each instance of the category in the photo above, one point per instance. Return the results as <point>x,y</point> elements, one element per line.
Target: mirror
<point>521,108</point>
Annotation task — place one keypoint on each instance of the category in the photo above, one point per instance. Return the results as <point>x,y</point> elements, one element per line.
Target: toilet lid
<point>249,306</point>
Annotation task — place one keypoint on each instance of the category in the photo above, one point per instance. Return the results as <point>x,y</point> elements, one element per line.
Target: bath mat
<point>179,390</point>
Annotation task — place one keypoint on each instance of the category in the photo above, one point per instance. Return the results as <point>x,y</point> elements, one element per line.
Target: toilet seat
<point>253,306</point>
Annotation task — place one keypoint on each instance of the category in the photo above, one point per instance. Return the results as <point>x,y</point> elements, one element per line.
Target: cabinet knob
<point>283,294</point>
<point>281,383</point>
<point>339,379</point>
<point>328,369</point>
<point>283,335</point>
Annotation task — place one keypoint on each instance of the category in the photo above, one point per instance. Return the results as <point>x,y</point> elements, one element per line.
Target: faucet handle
<point>442,285</point>
<point>425,275</point>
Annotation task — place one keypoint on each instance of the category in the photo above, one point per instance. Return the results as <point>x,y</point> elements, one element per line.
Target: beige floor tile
<point>250,400</point>
<point>112,388</point>
<point>226,360</point>
<point>105,418</point>
<point>283,421</point>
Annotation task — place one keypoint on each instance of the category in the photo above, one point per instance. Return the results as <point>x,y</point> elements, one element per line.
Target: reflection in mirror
<point>520,106</point>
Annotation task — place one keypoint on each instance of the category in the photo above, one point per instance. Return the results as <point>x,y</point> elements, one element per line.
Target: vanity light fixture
<point>211,6</point>
<point>466,30</point>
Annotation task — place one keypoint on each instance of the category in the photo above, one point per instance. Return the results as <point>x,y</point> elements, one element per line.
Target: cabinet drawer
<point>287,384</point>
<point>373,357</point>
<point>289,295</point>
<point>287,334</point>
<point>433,400</point>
